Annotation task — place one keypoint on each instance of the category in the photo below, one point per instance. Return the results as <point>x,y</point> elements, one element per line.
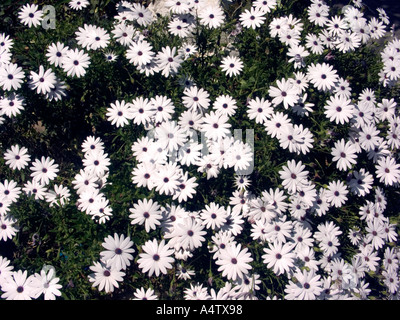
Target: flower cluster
<point>308,208</point>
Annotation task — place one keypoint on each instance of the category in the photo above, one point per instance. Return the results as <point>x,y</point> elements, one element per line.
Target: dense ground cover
<point>198,150</point>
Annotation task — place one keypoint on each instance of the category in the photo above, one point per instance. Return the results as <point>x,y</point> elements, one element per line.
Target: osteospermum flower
<point>78,4</point>
<point>345,154</point>
<point>30,15</point>
<point>11,76</point>
<point>322,76</point>
<point>17,287</point>
<point>279,257</point>
<point>44,170</point>
<point>43,81</point>
<point>388,170</point>
<point>104,277</point>
<point>212,16</point>
<point>156,257</point>
<point>45,283</point>
<point>56,52</point>
<point>119,113</point>
<point>337,193</point>
<point>12,105</point>
<point>231,65</point>
<point>146,212</point>
<point>252,18</point>
<point>76,62</point>
<point>234,262</point>
<point>118,251</point>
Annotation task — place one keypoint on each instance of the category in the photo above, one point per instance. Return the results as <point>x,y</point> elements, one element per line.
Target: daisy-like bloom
<point>45,283</point>
<point>58,92</point>
<point>92,37</point>
<point>234,262</point>
<point>56,53</point>
<point>215,126</point>
<point>213,215</point>
<point>105,277</point>
<point>377,28</point>
<point>211,16</point>
<point>342,88</point>
<point>259,110</point>
<point>169,61</point>
<point>141,109</point>
<point>388,170</point>
<point>110,56</point>
<point>125,34</point>
<point>225,104</point>
<point>196,99</point>
<point>252,18</point>
<point>344,154</point>
<point>44,170</point>
<point>141,15</point>
<point>285,92</point>
<point>293,176</point>
<point>369,137</point>
<point>196,292</point>
<point>78,4</point>
<point>146,212</point>
<point>30,15</point>
<point>9,190</point>
<point>140,53</point>
<point>5,56</point>
<point>17,157</point>
<point>162,107</point>
<point>336,25</point>
<point>318,14</point>
<point>297,53</point>
<point>178,28</point>
<point>187,235</point>
<point>6,42</point>
<point>34,188</point>
<point>231,65</point>
<point>177,6</point>
<point>187,50</point>
<point>43,81</point>
<point>186,188</point>
<point>118,253</point>
<point>156,257</point>
<point>119,113</point>
<point>6,270</point>
<point>11,76</point>
<point>75,63</point>
<point>390,260</point>
<point>7,227</point>
<point>170,136</point>
<point>184,273</point>
<point>97,162</point>
<point>166,178</point>
<point>17,286</point>
<point>322,76</point>
<point>348,41</point>
<point>12,105</point>
<point>314,44</point>
<point>339,109</point>
<point>386,109</point>
<point>307,287</point>
<point>240,156</point>
<point>58,196</point>
<point>279,257</point>
<point>92,144</point>
<point>375,233</point>
<point>337,193</point>
<point>361,183</point>
<point>142,294</point>
<point>265,5</point>
<point>277,124</point>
